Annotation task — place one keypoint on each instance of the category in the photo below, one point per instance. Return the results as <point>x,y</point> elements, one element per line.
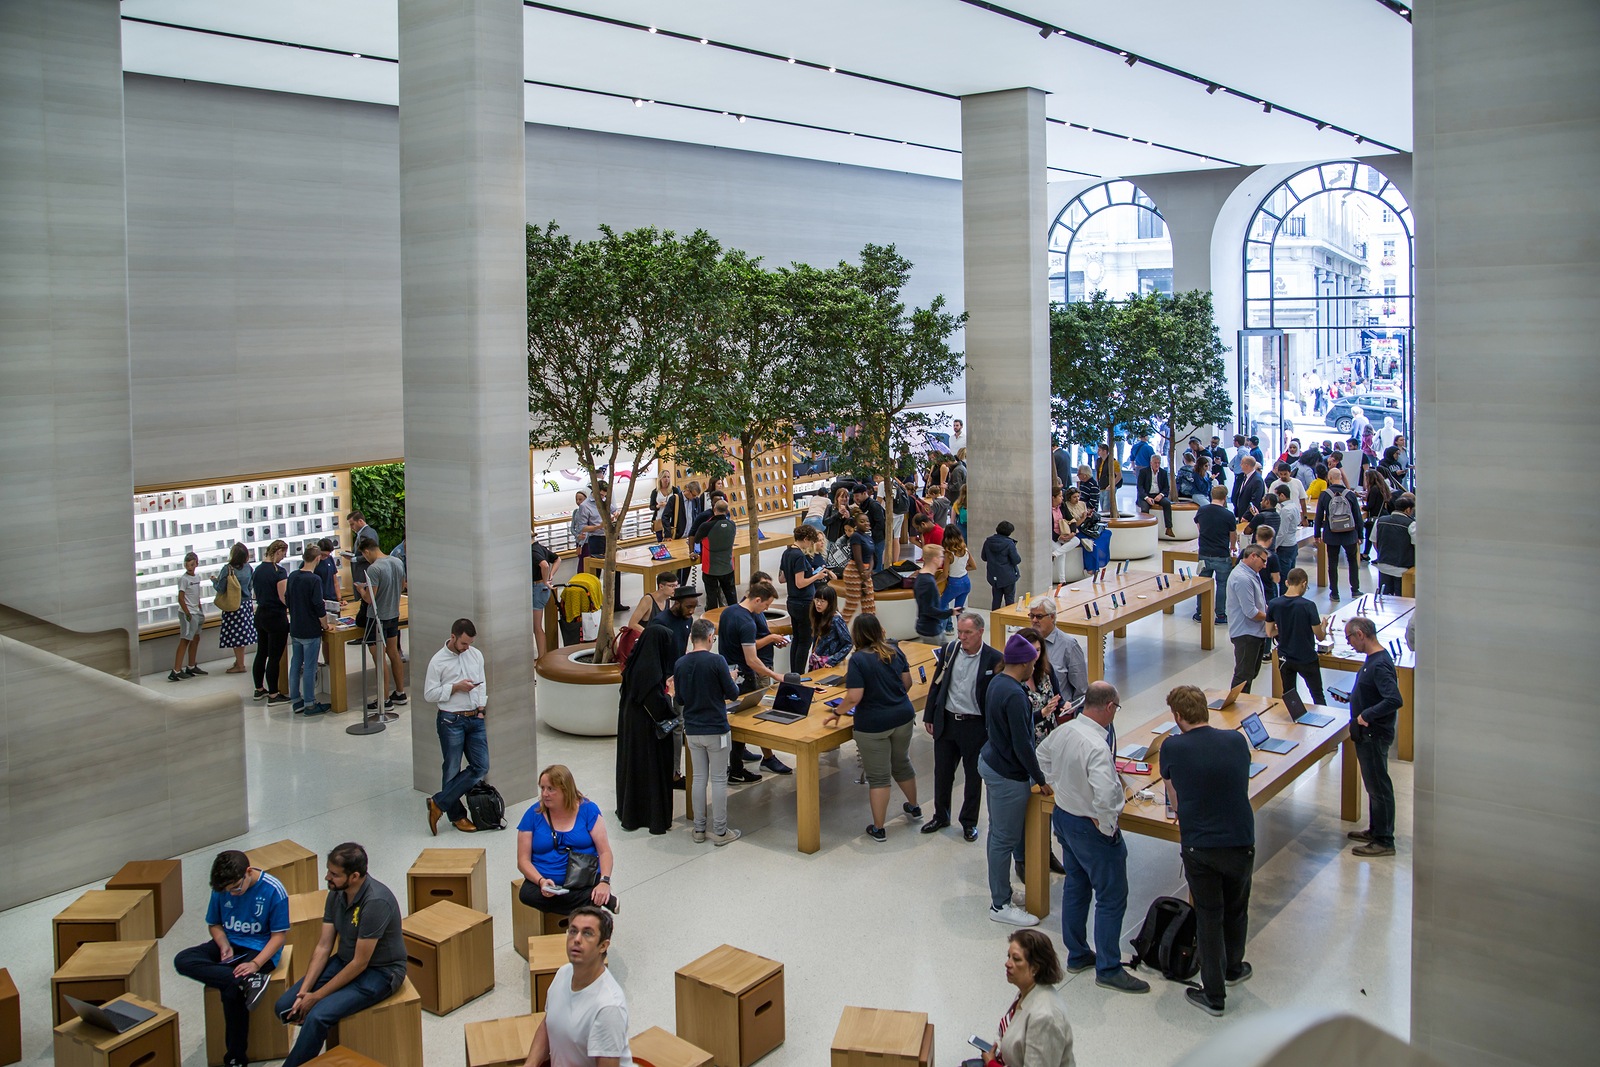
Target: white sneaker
<point>727,837</point>
<point>1013,916</point>
<point>699,837</point>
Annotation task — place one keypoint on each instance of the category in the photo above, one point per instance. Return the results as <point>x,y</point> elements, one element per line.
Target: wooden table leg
<point>1405,731</point>
<point>1094,646</point>
<point>1349,782</point>
<point>1036,855</point>
<point>1120,632</point>
<point>1277,676</point>
<point>808,799</point>
<point>338,682</point>
<point>1322,564</point>
<point>1208,617</point>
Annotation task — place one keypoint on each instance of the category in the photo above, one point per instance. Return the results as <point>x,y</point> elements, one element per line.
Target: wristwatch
<point>606,878</point>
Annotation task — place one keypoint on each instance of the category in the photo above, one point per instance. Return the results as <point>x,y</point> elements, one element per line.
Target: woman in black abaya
<point>644,759</point>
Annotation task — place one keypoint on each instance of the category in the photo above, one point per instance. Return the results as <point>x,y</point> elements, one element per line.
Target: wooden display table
<point>390,1031</point>
<point>658,1048</point>
<point>501,1042</point>
<point>305,928</point>
<point>1149,817</point>
<point>290,863</point>
<point>459,875</point>
<point>269,1035</point>
<point>1391,615</point>
<point>637,559</point>
<point>153,1043</point>
<point>104,915</point>
<point>1086,608</point>
<point>547,954</point>
<point>334,643</point>
<point>449,955</point>
<point>809,738</point>
<point>1408,583</point>
<point>730,1003</point>
<point>10,1019</point>
<point>877,1037</point>
<point>105,970</point>
<point>164,878</point>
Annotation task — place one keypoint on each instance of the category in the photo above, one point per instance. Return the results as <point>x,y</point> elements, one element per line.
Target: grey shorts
<point>189,626</point>
<point>885,756</point>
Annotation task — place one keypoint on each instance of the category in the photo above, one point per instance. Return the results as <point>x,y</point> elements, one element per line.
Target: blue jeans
<point>303,670</point>
<point>1288,560</point>
<point>877,555</point>
<point>368,988</point>
<point>955,593</point>
<point>1099,864</point>
<point>458,734</point>
<point>1008,812</point>
<point>1218,567</point>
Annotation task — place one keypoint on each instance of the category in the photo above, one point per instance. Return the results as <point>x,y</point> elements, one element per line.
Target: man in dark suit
<point>1155,491</point>
<point>954,716</point>
<point>1248,489</point>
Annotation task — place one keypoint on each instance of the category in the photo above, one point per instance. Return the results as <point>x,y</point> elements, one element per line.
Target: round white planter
<point>1183,526</point>
<point>1135,538</point>
<point>897,610</point>
<point>575,695</point>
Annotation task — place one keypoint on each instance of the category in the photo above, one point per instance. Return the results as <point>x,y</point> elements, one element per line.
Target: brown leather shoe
<point>466,826</point>
<point>435,813</point>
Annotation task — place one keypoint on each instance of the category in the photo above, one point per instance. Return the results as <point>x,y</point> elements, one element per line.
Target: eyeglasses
<point>1038,614</point>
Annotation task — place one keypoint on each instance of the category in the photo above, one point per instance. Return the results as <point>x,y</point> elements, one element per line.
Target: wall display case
<point>208,519</point>
<point>774,480</point>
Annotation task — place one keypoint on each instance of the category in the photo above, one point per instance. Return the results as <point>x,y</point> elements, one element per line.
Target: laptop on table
<point>790,703</point>
<point>1227,701</point>
<point>118,1017</point>
<point>1142,752</point>
<point>1256,731</point>
<point>1300,714</point>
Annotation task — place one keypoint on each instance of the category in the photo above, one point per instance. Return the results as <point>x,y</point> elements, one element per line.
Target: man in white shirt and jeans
<point>1078,759</point>
<point>455,684</point>
<point>586,1014</point>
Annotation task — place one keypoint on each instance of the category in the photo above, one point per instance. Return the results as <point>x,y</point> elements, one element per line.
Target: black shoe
<point>318,709</point>
<point>877,833</point>
<point>742,776</point>
<point>623,607</point>
<point>750,755</point>
<point>969,833</point>
<point>192,671</point>
<point>1122,982</point>
<point>260,694</point>
<point>1055,865</point>
<point>1333,598</point>
<point>1198,998</point>
<point>396,698</point>
<point>913,811</point>
<point>1220,619</point>
<point>776,766</point>
<point>372,705</point>
<point>1242,976</point>
<point>229,1061</point>
<point>934,825</point>
<point>1359,835</point>
<point>1195,616</point>
<point>298,708</point>
<point>1080,967</point>
<point>276,699</point>
<point>1355,592</point>
<point>255,987</point>
<point>174,676</point>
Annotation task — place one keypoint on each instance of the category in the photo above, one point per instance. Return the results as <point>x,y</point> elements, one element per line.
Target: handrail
<point>1305,1037</point>
<point>101,650</point>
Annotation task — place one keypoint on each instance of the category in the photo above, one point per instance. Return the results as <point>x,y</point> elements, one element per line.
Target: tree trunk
<point>752,517</point>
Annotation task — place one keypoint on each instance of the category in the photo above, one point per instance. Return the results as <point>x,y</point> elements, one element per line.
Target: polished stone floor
<point>896,925</point>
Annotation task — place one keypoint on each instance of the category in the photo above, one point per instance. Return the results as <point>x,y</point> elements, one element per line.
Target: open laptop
<point>1256,731</point>
<point>790,703</point>
<point>1141,752</point>
<point>1300,714</point>
<point>118,1017</point>
<point>746,701</point>
<point>1227,701</point>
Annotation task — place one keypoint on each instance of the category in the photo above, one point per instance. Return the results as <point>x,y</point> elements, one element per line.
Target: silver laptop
<point>119,1016</point>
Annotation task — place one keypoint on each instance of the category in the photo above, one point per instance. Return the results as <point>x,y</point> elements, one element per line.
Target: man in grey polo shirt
<point>365,917</point>
<point>1061,650</point>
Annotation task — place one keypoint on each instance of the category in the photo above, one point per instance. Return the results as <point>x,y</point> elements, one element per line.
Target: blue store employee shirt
<point>252,917</point>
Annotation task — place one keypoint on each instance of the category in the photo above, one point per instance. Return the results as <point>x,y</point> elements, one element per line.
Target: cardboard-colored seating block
<point>730,1003</point>
<point>290,863</point>
<point>389,1031</point>
<point>551,922</point>
<point>10,1019</point>
<point>876,1037</point>
<point>305,927</point>
<point>525,921</point>
<point>104,915</point>
<point>270,1037</point>
<point>153,1043</point>
<point>547,954</point>
<point>164,878</point>
<point>658,1048</point>
<point>459,875</point>
<point>449,955</point>
<point>105,970</point>
<point>501,1042</point>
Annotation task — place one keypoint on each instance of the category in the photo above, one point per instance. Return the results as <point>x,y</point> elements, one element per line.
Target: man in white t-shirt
<point>585,1015</point>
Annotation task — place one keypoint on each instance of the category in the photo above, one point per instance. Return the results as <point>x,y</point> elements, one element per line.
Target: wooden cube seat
<point>270,1036</point>
<point>389,1031</point>
<point>501,1042</point>
<point>101,971</point>
<point>164,878</point>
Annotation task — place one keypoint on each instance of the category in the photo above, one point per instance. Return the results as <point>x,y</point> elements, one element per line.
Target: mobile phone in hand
<point>980,1044</point>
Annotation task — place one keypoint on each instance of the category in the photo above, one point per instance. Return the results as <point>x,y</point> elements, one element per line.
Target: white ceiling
<point>1345,62</point>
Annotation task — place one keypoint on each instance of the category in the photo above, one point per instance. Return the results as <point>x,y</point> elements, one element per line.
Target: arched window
<point>1328,291</point>
<point>1109,237</point>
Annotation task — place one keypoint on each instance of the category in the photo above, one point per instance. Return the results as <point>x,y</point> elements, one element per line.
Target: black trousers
<point>1311,672</point>
<point>533,897</point>
<point>1003,595</point>
<point>720,590</point>
<point>203,964</point>
<point>1351,561</point>
<point>800,636</point>
<point>272,637</point>
<point>1389,584</point>
<point>1166,511</point>
<point>1247,659</point>
<point>1219,883</point>
<point>960,743</point>
<point>1372,755</point>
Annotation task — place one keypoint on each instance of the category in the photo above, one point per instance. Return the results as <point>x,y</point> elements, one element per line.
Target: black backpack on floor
<point>485,806</point>
<point>1169,939</point>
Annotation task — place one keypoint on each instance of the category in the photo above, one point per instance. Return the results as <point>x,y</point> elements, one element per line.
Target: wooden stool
<point>290,863</point>
<point>164,878</point>
<point>305,927</point>
<point>389,1031</point>
<point>153,1043</point>
<point>875,1037</point>
<point>525,921</point>
<point>338,1056</point>
<point>459,875</point>
<point>660,1049</point>
<point>269,1035</point>
<point>546,954</point>
<point>449,955</point>
<point>105,970</point>
<point>730,1003</point>
<point>501,1042</point>
<point>105,915</point>
<point>10,1019</point>
<point>551,922</point>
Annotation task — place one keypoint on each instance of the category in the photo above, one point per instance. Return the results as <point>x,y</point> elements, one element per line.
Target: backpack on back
<point>1341,514</point>
<point>1169,939</point>
<point>485,806</point>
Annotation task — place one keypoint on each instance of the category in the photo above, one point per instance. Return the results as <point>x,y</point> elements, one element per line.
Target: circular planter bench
<point>897,610</point>
<point>1183,527</point>
<point>575,695</point>
<point>1069,567</point>
<point>1135,537</point>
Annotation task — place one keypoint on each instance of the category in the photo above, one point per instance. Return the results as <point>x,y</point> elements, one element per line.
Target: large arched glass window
<point>1328,290</point>
<point>1109,237</point>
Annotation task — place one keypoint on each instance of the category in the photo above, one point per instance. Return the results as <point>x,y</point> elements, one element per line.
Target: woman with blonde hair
<point>555,839</point>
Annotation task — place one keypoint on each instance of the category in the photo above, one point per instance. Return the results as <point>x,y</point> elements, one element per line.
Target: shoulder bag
<point>228,596</point>
<point>583,868</point>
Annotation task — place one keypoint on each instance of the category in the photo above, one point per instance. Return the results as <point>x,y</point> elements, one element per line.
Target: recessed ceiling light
<point>741,118</point>
<point>638,103</point>
<point>833,70</point>
<point>652,29</point>
<point>791,59</point>
<point>704,41</point>
<point>355,55</point>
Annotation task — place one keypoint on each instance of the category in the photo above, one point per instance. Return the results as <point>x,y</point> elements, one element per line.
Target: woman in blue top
<point>876,683</point>
<point>832,642</point>
<point>563,821</point>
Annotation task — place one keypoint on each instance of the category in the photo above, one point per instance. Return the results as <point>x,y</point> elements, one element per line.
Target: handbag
<point>583,868</point>
<point>228,596</point>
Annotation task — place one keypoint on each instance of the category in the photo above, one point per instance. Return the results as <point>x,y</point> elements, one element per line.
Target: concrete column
<point>1006,267</point>
<point>463,341</point>
<point>66,527</point>
<point>1507,849</point>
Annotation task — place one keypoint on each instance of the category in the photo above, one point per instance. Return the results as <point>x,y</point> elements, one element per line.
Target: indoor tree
<point>1093,388</point>
<point>1175,353</point>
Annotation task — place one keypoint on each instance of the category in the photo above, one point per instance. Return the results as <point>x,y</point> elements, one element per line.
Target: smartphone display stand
<point>372,722</point>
